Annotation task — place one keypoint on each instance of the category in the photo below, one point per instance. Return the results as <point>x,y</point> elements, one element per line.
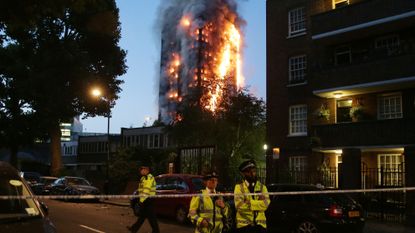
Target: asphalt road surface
<point>75,217</point>
<point>81,217</point>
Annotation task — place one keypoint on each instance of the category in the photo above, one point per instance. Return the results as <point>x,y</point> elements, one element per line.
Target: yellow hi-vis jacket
<point>203,207</point>
<point>146,187</point>
<point>250,210</point>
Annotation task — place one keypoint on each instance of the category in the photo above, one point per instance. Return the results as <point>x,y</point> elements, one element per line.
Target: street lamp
<point>97,93</point>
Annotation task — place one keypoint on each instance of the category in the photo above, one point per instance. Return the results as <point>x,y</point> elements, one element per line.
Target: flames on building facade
<point>200,55</point>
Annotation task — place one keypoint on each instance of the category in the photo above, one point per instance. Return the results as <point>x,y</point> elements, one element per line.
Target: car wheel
<point>181,214</point>
<point>307,227</point>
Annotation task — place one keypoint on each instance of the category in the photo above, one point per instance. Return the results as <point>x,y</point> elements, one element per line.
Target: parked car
<point>70,185</point>
<point>173,184</point>
<point>20,215</point>
<point>31,178</point>
<point>312,212</point>
<point>44,186</point>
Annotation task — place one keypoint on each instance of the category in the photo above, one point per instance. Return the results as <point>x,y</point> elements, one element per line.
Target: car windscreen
<point>77,181</point>
<point>342,198</point>
<point>198,183</point>
<point>16,208</point>
<point>47,181</point>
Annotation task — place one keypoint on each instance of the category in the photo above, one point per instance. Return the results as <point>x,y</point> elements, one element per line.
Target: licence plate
<point>354,214</point>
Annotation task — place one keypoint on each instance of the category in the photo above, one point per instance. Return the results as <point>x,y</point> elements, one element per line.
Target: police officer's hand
<point>204,223</point>
<point>220,203</point>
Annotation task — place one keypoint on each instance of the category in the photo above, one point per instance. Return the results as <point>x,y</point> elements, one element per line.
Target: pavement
<point>371,226</point>
<point>117,202</point>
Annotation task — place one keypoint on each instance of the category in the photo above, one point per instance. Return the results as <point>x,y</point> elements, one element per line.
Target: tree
<point>71,46</point>
<point>237,129</point>
<point>17,118</point>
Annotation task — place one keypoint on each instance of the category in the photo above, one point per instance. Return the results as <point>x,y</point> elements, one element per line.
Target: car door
<point>283,211</point>
<point>59,186</point>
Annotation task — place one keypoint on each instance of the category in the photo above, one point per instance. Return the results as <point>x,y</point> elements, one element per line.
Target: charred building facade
<point>200,55</point>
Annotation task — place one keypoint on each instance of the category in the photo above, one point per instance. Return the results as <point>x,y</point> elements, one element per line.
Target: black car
<point>32,178</point>
<point>44,186</point>
<point>20,215</point>
<point>312,213</point>
<point>70,185</point>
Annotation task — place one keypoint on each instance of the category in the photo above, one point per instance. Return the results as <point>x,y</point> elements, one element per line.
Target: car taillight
<point>335,211</point>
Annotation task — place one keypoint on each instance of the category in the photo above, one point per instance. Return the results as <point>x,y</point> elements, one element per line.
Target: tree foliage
<point>237,129</point>
<point>68,47</point>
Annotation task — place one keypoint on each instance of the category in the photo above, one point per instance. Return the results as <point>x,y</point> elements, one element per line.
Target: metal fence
<point>383,206</point>
<point>327,177</point>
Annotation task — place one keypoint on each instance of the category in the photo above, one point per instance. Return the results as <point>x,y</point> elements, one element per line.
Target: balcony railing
<point>366,133</point>
<point>361,70</point>
<point>359,13</point>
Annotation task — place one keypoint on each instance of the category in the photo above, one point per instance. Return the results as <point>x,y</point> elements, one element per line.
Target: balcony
<point>373,69</point>
<point>360,15</point>
<point>367,133</point>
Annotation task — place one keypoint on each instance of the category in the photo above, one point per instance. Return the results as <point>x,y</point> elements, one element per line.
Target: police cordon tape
<point>87,196</point>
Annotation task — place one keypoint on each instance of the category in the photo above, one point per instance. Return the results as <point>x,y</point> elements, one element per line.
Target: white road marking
<point>91,229</point>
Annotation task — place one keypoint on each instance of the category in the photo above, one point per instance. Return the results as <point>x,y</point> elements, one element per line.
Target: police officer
<point>207,212</point>
<point>250,209</point>
<point>146,187</point>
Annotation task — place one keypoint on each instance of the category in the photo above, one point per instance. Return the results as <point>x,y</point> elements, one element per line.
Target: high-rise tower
<point>200,55</point>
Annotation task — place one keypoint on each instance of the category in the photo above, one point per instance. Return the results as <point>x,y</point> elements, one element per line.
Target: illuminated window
<point>297,69</point>
<point>390,106</point>
<point>298,120</point>
<point>296,21</point>
<point>390,169</point>
<point>340,3</point>
<point>343,110</point>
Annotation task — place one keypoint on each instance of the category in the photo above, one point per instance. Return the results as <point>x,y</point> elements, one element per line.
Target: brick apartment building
<point>341,92</point>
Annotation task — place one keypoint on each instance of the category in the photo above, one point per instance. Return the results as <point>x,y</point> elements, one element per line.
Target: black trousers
<point>146,212</point>
<point>251,229</point>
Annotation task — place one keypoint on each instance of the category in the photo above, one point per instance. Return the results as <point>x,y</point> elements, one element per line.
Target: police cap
<point>210,175</point>
<point>247,164</point>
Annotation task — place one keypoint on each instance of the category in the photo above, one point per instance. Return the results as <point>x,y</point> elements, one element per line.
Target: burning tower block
<point>200,55</point>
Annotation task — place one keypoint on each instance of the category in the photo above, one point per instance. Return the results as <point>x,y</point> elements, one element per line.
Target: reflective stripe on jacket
<point>146,187</point>
<point>202,207</point>
<point>248,206</point>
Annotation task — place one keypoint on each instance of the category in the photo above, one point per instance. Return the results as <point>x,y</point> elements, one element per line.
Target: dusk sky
<point>138,99</point>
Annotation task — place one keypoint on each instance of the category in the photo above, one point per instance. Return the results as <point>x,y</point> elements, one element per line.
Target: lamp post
<point>96,92</point>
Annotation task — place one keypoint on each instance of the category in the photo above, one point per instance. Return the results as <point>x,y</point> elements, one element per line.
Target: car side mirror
<point>44,208</point>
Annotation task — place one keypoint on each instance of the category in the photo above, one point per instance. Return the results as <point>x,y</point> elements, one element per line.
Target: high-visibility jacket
<point>250,210</point>
<point>146,187</point>
<point>203,207</point>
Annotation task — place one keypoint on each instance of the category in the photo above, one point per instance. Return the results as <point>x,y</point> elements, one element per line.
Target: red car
<point>174,184</point>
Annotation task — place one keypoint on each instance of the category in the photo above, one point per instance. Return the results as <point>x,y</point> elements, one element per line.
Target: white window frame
<point>335,2</point>
<point>391,164</point>
<point>296,22</point>
<point>390,43</point>
<point>298,120</point>
<point>297,67</point>
<point>347,51</point>
<point>297,163</point>
<point>389,103</point>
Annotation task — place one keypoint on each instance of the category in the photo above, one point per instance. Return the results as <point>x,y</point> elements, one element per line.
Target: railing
<point>327,177</point>
<point>377,132</point>
<point>354,14</point>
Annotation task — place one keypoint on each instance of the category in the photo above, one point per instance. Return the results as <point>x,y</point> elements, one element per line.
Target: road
<point>74,217</point>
